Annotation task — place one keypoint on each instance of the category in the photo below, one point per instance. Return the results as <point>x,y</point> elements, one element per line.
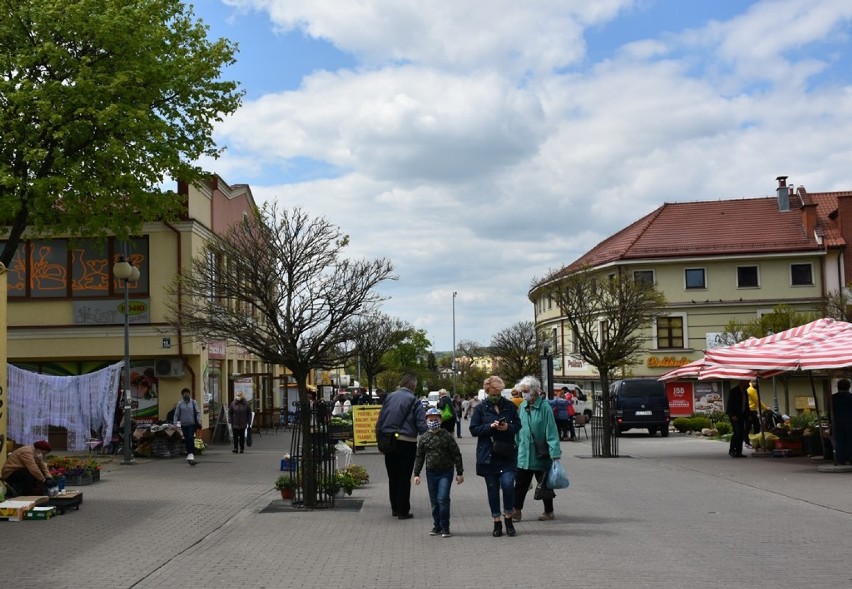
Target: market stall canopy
<point>823,344</point>
<point>704,370</point>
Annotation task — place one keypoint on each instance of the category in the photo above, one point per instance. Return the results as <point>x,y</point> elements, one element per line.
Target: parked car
<point>641,403</point>
<point>432,398</point>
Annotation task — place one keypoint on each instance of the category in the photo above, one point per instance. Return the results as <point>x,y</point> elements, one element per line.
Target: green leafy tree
<point>100,102</point>
<point>289,296</point>
<point>782,318</point>
<point>608,315</point>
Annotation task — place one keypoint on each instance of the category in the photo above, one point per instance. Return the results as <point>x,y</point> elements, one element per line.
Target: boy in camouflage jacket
<point>440,452</point>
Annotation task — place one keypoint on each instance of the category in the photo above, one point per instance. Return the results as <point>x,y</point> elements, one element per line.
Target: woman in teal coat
<point>537,422</point>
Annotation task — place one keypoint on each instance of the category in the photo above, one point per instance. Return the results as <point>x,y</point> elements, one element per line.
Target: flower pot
<point>286,494</point>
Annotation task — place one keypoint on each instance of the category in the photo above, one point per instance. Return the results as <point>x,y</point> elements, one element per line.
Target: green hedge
<point>692,424</point>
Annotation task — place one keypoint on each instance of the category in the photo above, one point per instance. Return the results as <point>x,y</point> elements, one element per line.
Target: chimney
<point>783,194</point>
<point>809,219</point>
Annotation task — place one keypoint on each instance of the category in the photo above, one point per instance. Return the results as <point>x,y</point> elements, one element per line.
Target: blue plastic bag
<point>557,478</point>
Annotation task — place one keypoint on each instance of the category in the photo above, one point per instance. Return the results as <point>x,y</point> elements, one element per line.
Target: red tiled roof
<point>719,228</point>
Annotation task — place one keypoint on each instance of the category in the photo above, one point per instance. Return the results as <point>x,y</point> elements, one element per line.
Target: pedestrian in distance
<point>494,423</point>
<point>538,428</point>
<point>841,422</point>
<point>440,453</point>
<point>563,411</point>
<point>239,414</point>
<point>402,416</point>
<point>457,408</point>
<point>737,410</point>
<point>448,410</point>
<point>188,415</point>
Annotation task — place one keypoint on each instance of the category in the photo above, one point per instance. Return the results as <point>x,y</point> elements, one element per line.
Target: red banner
<point>680,398</point>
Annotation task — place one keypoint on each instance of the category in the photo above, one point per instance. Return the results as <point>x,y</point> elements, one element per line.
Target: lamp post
<point>454,343</point>
<point>124,270</point>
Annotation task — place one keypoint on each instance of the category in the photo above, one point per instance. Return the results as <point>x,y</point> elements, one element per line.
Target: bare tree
<point>608,316</point>
<point>277,284</point>
<point>374,336</point>
<point>516,352</point>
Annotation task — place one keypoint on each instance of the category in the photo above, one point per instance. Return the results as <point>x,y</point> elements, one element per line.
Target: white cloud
<point>473,179</point>
<point>461,36</point>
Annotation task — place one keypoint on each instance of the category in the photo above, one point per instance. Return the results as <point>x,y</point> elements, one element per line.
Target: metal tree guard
<point>313,454</point>
<point>598,429</point>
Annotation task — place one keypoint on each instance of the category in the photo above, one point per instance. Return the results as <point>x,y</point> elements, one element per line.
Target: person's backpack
<point>447,412</point>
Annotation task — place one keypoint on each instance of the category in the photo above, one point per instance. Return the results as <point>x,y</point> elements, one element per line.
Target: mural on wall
<point>41,268</point>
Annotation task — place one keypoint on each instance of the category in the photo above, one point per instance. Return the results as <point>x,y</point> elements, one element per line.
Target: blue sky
<point>478,144</point>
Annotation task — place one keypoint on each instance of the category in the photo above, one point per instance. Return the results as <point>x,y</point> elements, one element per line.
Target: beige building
<point>716,261</point>
<point>65,312</point>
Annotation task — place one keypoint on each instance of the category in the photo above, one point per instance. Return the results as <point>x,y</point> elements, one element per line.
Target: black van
<point>641,402</point>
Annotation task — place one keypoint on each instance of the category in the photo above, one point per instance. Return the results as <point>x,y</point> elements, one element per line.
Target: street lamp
<point>124,270</point>
<point>454,343</point>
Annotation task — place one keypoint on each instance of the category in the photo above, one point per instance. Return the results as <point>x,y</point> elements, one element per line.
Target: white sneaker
<point>190,457</point>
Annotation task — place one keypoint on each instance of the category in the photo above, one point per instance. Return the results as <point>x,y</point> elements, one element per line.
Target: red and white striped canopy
<point>704,370</point>
<point>823,344</point>
<point>819,345</point>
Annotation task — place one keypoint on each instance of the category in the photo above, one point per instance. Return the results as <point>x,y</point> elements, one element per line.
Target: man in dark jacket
<point>402,414</point>
<point>239,414</point>
<point>737,410</point>
<point>841,422</point>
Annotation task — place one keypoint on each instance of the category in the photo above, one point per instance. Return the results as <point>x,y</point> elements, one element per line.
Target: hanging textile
<point>83,405</point>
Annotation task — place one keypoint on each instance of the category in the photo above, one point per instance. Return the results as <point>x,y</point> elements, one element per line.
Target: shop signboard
<point>680,396</point>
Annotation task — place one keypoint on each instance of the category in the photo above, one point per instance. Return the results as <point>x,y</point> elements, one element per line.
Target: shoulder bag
<point>542,450</point>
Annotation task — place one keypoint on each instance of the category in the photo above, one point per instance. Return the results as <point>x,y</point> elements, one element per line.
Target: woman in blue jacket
<point>538,425</point>
<point>494,423</point>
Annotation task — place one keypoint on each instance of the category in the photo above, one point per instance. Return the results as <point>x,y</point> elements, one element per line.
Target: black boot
<point>498,529</point>
<point>510,526</point>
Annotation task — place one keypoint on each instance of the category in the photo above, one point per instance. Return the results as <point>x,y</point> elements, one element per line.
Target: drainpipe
<point>180,307</point>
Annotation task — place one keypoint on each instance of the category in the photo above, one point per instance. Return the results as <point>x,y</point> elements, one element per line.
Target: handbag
<point>542,450</point>
<point>542,491</point>
<point>387,442</point>
<point>503,449</point>
<point>557,478</point>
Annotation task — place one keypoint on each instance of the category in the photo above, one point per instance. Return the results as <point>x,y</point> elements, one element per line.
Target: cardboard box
<point>37,499</point>
<point>40,513</point>
<point>14,510</point>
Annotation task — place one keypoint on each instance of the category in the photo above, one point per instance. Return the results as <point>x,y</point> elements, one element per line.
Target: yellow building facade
<point>66,312</point>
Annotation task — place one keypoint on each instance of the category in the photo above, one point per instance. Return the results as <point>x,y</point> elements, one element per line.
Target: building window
<point>694,278</point>
<point>669,332</point>
<point>747,277</point>
<point>801,275</point>
<point>644,276</point>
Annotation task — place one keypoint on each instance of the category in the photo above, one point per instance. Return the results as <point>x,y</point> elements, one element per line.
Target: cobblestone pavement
<point>674,512</point>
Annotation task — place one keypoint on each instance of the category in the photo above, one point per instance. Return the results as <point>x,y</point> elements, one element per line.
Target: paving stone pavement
<point>674,512</point>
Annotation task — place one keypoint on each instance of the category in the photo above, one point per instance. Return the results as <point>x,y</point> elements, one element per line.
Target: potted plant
<point>346,480</point>
<point>286,483</point>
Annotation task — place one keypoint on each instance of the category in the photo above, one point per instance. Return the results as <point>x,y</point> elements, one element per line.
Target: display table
<point>67,500</point>
<point>159,441</point>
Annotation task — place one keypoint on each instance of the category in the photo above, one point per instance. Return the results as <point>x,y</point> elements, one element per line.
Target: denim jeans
<point>504,481</point>
<point>439,483</point>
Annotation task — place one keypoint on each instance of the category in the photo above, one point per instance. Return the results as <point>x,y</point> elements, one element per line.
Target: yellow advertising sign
<point>364,418</point>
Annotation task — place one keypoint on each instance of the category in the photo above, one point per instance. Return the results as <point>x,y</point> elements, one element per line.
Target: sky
<point>480,144</point>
